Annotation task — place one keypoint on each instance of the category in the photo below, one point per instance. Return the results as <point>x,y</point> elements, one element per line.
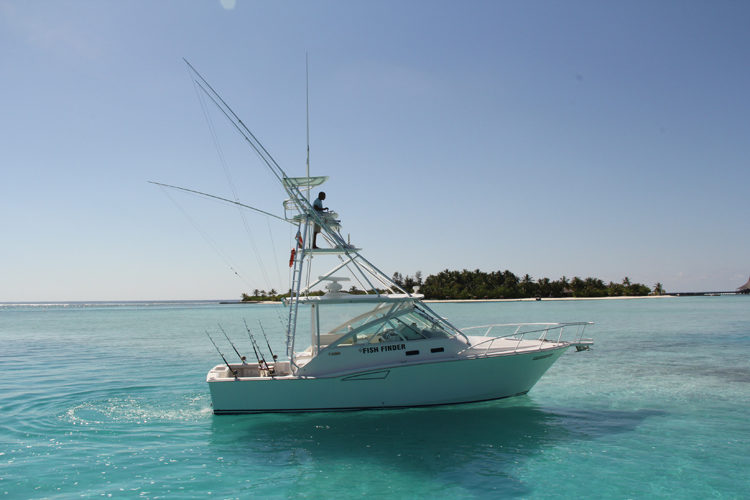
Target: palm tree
<point>565,285</point>
<point>658,289</point>
<point>527,285</point>
<point>577,285</point>
<point>398,279</point>
<point>544,287</point>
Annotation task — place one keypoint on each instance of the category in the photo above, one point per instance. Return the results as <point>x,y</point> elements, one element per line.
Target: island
<point>481,285</point>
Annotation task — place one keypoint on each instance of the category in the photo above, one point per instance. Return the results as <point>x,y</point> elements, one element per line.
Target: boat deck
<point>484,346</point>
<point>250,370</point>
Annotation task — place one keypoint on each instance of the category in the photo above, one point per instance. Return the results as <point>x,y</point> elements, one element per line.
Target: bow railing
<point>515,337</point>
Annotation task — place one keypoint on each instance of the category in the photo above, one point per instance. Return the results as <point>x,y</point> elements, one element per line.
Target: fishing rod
<point>252,341</point>
<point>242,358</point>
<point>275,357</point>
<point>262,364</point>
<point>233,372</point>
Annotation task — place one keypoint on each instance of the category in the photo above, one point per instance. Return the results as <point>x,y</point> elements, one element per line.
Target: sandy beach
<point>532,299</point>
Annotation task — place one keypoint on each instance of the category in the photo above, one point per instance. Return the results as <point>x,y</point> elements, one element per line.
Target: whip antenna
<point>307,118</point>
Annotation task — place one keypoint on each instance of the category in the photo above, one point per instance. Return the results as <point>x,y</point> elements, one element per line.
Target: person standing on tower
<point>318,206</point>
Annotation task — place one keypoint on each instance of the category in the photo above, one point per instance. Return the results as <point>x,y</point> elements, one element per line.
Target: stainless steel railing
<point>520,332</point>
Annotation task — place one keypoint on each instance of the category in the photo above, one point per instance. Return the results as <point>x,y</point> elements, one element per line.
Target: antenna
<point>307,117</point>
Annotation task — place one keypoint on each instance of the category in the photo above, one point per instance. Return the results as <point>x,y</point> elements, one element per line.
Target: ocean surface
<point>110,400</point>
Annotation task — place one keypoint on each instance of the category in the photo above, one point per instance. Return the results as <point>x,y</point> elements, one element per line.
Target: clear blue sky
<point>582,138</point>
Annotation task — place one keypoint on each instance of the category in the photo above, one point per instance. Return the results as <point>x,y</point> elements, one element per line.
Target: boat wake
<point>138,410</point>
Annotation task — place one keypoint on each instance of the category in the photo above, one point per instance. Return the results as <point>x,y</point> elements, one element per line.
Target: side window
<point>435,333</point>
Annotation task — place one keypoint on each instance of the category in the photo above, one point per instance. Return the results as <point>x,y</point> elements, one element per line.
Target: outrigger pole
<point>237,122</point>
<point>221,199</point>
<point>246,133</point>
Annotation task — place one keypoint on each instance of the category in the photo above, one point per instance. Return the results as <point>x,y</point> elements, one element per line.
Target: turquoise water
<point>111,400</point>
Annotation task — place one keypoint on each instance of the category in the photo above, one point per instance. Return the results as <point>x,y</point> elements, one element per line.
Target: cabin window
<point>388,335</point>
<point>410,331</point>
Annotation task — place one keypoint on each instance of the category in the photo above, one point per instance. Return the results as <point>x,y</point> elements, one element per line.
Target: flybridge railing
<point>514,337</point>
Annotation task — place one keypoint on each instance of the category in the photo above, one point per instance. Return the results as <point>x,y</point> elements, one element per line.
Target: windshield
<point>387,322</point>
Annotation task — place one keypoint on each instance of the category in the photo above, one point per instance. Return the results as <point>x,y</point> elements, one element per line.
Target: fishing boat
<point>382,347</point>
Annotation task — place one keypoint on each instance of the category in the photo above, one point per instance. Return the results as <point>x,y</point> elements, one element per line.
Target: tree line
<point>478,285</point>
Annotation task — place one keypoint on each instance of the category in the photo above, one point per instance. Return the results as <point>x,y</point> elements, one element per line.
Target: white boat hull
<point>420,384</point>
